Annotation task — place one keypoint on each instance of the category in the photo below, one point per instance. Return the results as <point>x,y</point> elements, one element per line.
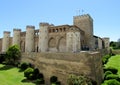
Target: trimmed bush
<point>24,66</point>
<point>105,59</point>
<point>40,76</point>
<point>112,76</point>
<point>107,73</point>
<point>2,58</point>
<point>53,79</point>
<point>39,81</point>
<point>28,73</point>
<point>112,69</point>
<point>112,82</point>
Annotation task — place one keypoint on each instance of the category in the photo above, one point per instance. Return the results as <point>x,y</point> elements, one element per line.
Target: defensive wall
<point>64,64</point>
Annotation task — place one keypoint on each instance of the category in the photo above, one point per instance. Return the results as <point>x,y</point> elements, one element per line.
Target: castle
<point>61,50</point>
<point>50,38</point>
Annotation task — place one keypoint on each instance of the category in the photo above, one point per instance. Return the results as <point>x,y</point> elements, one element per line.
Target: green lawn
<point>114,62</point>
<point>11,76</point>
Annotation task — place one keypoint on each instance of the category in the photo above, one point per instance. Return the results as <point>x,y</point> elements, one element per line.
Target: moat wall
<point>64,64</point>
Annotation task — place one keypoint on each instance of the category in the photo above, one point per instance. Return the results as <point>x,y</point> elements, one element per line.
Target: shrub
<point>112,82</point>
<point>13,54</point>
<point>107,73</point>
<point>40,76</point>
<point>53,79</point>
<point>23,66</point>
<point>58,83</point>
<point>112,76</point>
<point>39,81</point>
<point>28,73</point>
<point>112,69</point>
<point>105,59</point>
<point>2,58</point>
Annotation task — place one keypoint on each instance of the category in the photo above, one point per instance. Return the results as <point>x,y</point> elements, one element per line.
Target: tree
<point>118,43</point>
<point>13,53</point>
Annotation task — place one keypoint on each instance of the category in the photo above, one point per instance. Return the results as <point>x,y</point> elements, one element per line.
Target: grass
<point>114,61</point>
<point>11,76</point>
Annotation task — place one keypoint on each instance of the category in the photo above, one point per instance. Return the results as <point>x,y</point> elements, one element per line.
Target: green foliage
<point>10,75</point>
<point>115,45</point>
<point>107,73</point>
<point>39,81</point>
<point>56,83</point>
<point>80,80</point>
<point>53,79</point>
<point>28,73</point>
<point>111,76</point>
<point>13,54</point>
<point>23,66</point>
<point>111,82</point>
<point>105,59</point>
<point>2,58</point>
<point>112,69</point>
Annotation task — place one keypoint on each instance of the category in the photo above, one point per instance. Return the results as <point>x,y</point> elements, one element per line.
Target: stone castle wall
<point>64,64</point>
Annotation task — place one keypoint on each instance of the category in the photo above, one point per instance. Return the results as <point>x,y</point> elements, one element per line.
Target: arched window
<point>64,29</point>
<point>53,30</point>
<point>60,29</point>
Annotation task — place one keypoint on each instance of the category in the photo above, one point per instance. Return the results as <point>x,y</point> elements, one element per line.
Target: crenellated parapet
<point>6,32</point>
<point>30,27</point>
<point>85,16</point>
<point>43,24</point>
<point>16,29</point>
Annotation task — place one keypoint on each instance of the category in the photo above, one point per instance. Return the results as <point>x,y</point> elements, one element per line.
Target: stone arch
<point>52,44</point>
<point>62,44</point>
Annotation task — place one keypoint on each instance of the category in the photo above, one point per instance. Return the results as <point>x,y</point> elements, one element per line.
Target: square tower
<point>85,23</point>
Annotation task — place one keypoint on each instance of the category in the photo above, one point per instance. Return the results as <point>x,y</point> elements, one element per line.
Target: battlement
<point>83,17</point>
<point>16,29</point>
<point>6,32</point>
<point>30,27</point>
<point>44,24</point>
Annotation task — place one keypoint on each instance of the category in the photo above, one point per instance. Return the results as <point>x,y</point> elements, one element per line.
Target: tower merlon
<point>44,24</point>
<point>7,32</point>
<point>16,29</point>
<point>83,17</point>
<point>30,27</point>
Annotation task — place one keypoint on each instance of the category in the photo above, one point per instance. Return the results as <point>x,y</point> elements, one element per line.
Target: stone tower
<point>5,41</point>
<point>85,23</point>
<point>43,37</point>
<point>107,42</point>
<point>29,41</point>
<point>16,37</point>
<point>73,40</point>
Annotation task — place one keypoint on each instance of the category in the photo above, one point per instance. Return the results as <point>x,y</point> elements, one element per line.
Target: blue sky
<point>19,13</point>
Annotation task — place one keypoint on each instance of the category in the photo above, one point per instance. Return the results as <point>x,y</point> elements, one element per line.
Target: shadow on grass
<point>6,67</point>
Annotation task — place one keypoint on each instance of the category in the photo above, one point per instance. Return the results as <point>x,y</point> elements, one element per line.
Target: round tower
<point>85,23</point>
<point>16,37</point>
<point>5,41</point>
<point>73,40</point>
<point>29,39</point>
<point>43,37</point>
